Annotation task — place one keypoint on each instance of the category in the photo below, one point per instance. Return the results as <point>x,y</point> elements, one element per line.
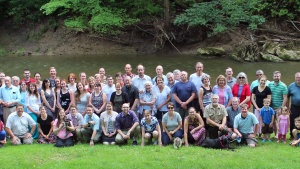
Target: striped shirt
<point>278,90</point>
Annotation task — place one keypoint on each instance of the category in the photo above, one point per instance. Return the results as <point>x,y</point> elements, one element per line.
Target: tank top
<point>206,99</point>
<point>65,99</point>
<point>97,101</point>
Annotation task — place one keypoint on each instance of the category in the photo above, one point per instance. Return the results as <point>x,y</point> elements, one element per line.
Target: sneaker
<point>134,143</point>
<point>155,142</point>
<point>278,141</point>
<point>269,140</point>
<point>263,140</point>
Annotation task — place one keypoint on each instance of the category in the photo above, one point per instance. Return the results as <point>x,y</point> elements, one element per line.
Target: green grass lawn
<point>265,155</point>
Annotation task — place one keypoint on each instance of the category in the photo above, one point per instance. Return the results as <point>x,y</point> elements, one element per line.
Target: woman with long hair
<point>63,130</point>
<point>33,102</point>
<point>194,131</point>
<point>48,97</point>
<point>38,82</point>
<point>23,94</point>
<point>91,87</point>
<point>82,98</point>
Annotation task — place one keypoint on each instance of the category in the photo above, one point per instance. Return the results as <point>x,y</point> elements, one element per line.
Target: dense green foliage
<point>22,11</point>
<point>111,16</point>
<point>220,15</point>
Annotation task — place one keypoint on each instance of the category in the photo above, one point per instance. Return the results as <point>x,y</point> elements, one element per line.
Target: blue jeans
<point>2,135</point>
<point>166,139</point>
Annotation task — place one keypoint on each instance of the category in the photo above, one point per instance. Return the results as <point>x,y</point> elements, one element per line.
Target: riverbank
<point>42,39</point>
<point>46,39</point>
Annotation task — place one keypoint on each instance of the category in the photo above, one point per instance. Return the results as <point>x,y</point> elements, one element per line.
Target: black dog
<point>218,143</point>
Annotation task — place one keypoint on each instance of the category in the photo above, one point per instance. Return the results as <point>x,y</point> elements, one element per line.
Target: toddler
<point>283,124</point>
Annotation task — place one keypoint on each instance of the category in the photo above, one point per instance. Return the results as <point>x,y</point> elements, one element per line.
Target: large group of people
<point>65,112</point>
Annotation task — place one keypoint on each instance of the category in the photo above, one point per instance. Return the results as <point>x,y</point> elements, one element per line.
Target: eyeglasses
<point>170,107</point>
<point>241,77</point>
<point>258,74</point>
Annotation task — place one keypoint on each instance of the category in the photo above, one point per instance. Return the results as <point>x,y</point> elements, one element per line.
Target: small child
<point>296,133</point>
<point>283,124</point>
<point>2,134</point>
<point>150,128</point>
<point>267,119</point>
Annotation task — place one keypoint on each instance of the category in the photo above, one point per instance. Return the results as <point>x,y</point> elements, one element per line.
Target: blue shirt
<point>94,118</point>
<point>245,125</point>
<point>184,91</point>
<point>149,127</point>
<point>10,94</point>
<point>294,93</point>
<point>266,115</point>
<point>126,121</point>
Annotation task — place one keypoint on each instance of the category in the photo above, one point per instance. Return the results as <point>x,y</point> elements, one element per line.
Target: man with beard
<point>279,96</point>
<point>215,115</point>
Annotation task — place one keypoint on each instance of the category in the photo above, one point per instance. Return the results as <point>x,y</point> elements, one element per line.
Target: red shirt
<point>31,80</point>
<point>245,92</point>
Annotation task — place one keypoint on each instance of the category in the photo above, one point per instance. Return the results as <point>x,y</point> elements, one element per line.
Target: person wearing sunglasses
<point>241,89</point>
<point>172,125</point>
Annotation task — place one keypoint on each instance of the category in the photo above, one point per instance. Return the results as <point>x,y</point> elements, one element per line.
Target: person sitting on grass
<point>2,134</point>
<point>91,126</point>
<point>172,125</point>
<point>267,119</point>
<point>17,126</point>
<point>127,125</point>
<point>296,133</point>
<point>108,125</point>
<point>77,121</point>
<point>45,127</point>
<point>194,131</point>
<point>63,130</point>
<point>150,128</point>
<point>243,126</point>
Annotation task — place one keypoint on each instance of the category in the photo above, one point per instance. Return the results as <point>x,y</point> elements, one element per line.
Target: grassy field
<point>266,155</point>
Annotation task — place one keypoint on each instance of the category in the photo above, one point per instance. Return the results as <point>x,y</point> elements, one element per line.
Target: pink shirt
<point>62,133</point>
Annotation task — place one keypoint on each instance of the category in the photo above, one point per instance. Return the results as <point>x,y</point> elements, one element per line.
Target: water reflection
<point>115,63</point>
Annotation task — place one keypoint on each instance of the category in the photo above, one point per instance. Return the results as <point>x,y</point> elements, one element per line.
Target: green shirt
<point>278,90</point>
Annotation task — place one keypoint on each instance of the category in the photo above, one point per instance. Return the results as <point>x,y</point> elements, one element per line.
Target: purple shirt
<point>126,121</point>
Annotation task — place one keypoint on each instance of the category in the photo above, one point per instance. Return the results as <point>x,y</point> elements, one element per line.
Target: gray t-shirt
<point>231,115</point>
<point>171,124</point>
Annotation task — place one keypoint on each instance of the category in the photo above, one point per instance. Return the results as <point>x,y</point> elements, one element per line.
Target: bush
<point>220,15</point>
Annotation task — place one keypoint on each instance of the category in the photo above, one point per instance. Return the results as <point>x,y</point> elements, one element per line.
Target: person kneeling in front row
<point>91,126</point>
<point>243,126</point>
<point>17,126</point>
<point>150,128</point>
<point>63,128</point>
<point>127,125</point>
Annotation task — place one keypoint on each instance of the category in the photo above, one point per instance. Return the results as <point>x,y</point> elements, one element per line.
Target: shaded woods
<point>165,24</point>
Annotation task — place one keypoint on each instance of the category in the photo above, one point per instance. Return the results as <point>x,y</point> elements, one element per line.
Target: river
<point>114,63</point>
